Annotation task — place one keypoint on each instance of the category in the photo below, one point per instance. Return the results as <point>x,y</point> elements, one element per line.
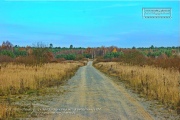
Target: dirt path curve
<point>94,96</point>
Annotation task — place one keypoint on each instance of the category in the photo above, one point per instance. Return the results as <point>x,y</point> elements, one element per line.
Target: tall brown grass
<point>155,83</point>
<point>7,111</point>
<point>14,77</point>
<point>19,79</point>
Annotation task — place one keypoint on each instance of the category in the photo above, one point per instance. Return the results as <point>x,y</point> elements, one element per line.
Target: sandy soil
<point>91,95</point>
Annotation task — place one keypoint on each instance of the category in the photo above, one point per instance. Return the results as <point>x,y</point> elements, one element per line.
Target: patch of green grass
<point>32,92</point>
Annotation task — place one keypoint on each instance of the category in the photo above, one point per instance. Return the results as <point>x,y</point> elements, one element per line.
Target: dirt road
<point>94,96</point>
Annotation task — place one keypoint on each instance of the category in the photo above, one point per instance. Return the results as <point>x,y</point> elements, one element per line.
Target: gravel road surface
<point>94,96</point>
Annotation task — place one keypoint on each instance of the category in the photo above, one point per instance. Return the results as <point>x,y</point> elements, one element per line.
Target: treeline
<point>37,55</point>
<point>166,57</point>
<point>136,57</point>
<point>40,54</point>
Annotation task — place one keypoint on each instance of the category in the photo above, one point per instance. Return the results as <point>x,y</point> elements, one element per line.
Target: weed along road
<point>94,96</point>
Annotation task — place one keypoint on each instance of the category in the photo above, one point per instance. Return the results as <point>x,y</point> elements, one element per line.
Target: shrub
<point>27,60</point>
<point>67,56</point>
<point>86,55</point>
<point>20,53</point>
<point>5,58</point>
<point>7,53</point>
<point>113,55</point>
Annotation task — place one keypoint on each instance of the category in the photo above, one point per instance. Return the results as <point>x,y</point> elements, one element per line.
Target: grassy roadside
<point>152,83</point>
<point>27,80</point>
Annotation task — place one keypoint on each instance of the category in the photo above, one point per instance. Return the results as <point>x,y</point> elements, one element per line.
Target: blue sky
<point>87,24</point>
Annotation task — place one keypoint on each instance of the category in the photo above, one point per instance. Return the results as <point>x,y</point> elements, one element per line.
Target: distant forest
<point>166,57</point>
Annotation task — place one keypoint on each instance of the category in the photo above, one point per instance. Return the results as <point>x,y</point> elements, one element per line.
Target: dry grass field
<point>154,83</point>
<point>20,79</point>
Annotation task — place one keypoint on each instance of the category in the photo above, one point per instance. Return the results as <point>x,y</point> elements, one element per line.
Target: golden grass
<point>155,83</point>
<point>18,79</point>
<point>6,111</point>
